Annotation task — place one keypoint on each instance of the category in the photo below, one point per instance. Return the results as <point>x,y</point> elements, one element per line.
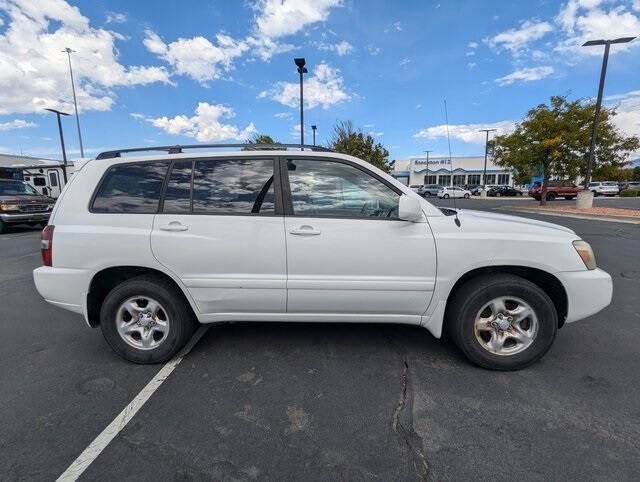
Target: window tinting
<point>177,199</point>
<point>53,179</point>
<point>233,186</point>
<point>131,188</point>
<point>324,188</point>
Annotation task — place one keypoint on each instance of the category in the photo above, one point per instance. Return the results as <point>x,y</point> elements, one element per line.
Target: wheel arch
<point>106,279</point>
<point>546,281</point>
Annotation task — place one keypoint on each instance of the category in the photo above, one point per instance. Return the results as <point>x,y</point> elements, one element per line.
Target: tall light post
<point>75,102</point>
<point>313,128</point>
<point>486,153</point>
<point>301,70</point>
<point>427,153</point>
<point>64,152</point>
<point>603,73</point>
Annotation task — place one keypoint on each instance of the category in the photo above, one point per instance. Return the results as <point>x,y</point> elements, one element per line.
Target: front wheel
<point>466,196</point>
<point>145,321</point>
<point>446,196</point>
<point>502,321</point>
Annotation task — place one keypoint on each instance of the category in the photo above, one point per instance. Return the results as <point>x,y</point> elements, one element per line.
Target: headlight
<point>9,207</point>
<point>586,253</point>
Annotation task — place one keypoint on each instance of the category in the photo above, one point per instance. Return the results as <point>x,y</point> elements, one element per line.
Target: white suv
<point>606,188</point>
<point>146,247</point>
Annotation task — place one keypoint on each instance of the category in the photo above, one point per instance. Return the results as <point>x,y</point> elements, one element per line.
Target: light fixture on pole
<point>603,73</point>
<point>313,128</point>
<point>301,70</point>
<point>75,102</point>
<point>64,152</point>
<point>486,153</point>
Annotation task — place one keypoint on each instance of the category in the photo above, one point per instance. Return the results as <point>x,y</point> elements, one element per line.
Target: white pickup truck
<point>146,247</point>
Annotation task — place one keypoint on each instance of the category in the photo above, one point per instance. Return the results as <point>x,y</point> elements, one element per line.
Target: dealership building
<point>445,171</point>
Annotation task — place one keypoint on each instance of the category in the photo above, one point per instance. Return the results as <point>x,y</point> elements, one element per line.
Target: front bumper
<point>25,217</point>
<point>588,292</point>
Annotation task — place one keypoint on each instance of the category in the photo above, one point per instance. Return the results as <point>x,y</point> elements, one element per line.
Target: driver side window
<point>334,189</point>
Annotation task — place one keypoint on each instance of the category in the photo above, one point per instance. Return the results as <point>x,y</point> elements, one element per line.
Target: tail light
<point>46,245</point>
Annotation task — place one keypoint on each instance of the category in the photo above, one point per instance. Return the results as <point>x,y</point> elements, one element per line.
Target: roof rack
<point>177,149</point>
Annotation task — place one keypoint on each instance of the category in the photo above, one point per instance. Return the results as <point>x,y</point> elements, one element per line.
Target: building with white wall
<point>457,171</point>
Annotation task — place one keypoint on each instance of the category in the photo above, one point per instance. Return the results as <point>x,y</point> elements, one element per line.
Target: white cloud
<point>34,73</point>
<point>395,26</point>
<point>418,106</point>
<point>473,45</point>
<point>471,65</point>
<point>197,57</point>
<point>583,20</point>
<point>469,133</point>
<point>404,61</point>
<point>373,51</point>
<point>527,74</point>
<point>16,124</point>
<point>376,134</point>
<point>325,88</point>
<point>517,39</point>
<point>341,48</point>
<point>283,115</point>
<point>206,125</point>
<point>628,112</point>
<point>116,17</point>
<point>279,18</point>
<point>137,115</point>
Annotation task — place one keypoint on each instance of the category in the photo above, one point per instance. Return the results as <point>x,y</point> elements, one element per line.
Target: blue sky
<point>219,71</point>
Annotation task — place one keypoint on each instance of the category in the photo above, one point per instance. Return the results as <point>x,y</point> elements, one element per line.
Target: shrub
<point>629,193</point>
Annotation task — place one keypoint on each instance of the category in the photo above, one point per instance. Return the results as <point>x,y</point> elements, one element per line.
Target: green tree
<point>261,139</point>
<point>347,140</point>
<point>553,141</point>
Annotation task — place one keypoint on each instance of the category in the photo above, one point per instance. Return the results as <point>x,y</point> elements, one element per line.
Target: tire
<point>469,300</point>
<point>466,196</point>
<point>3,227</point>
<point>174,309</point>
<point>446,196</point>
<point>551,197</point>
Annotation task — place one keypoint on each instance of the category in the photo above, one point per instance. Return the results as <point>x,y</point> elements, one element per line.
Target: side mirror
<point>409,209</point>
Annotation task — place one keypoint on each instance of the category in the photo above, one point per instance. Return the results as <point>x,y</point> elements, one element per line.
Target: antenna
<point>446,116</point>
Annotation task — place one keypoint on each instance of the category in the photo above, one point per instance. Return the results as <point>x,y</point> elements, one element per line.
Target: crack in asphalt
<point>402,419</point>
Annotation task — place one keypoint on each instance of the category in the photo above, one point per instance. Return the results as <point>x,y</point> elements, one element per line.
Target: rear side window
<point>233,186</point>
<point>177,199</point>
<point>131,188</point>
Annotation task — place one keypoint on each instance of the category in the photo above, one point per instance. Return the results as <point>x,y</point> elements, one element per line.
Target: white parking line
<point>94,449</point>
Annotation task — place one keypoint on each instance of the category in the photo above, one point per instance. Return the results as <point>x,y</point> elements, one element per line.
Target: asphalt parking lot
<point>317,402</point>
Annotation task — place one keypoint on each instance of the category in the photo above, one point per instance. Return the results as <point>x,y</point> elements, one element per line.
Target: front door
<point>348,254</point>
<point>221,232</point>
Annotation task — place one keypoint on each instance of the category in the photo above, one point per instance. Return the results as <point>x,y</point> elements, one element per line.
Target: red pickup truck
<point>554,189</point>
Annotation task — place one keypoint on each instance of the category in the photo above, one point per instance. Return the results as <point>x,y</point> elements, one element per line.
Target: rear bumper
<point>24,217</point>
<point>63,287</point>
<point>588,292</point>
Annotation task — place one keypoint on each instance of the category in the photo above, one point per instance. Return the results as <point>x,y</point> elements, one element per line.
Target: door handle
<point>305,230</point>
<point>173,226</point>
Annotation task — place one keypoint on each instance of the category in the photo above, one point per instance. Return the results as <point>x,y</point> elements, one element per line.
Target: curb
<point>609,219</point>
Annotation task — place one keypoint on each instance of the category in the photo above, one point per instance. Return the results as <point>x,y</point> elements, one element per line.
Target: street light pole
<point>603,73</point>
<point>64,152</point>
<point>427,153</point>
<point>486,153</point>
<point>301,70</point>
<point>75,102</point>
<point>313,128</point>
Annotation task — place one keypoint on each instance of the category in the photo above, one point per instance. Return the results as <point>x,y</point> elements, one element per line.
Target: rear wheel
<point>502,322</point>
<point>145,321</point>
<point>466,196</point>
<point>3,227</point>
<point>551,196</point>
<point>446,196</point>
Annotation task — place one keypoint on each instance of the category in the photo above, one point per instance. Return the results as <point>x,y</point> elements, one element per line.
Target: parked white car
<point>606,188</point>
<point>146,247</point>
<point>453,191</point>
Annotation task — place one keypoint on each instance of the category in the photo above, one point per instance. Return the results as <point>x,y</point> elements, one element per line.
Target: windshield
<point>13,188</point>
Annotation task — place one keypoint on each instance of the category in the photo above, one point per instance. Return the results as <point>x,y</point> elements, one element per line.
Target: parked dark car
<point>499,191</point>
<point>22,204</point>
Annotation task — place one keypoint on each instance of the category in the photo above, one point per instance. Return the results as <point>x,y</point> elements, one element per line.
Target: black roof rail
<point>177,149</point>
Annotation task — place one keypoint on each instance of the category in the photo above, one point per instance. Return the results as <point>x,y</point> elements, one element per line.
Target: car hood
<point>486,221</point>
<point>13,199</point>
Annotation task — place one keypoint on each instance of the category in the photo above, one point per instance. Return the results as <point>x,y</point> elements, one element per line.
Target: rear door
<point>221,230</point>
<point>348,254</point>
